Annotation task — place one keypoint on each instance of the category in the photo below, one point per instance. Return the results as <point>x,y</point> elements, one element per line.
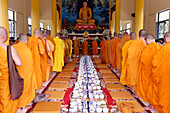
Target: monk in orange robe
<point>123,40</point>
<point>146,67</point>
<point>110,52</point>
<point>133,59</point>
<point>76,46</point>
<point>48,32</point>
<point>26,71</point>
<point>106,50</point>
<point>101,48</point>
<point>159,90</point>
<point>114,47</point>
<point>124,58</point>
<point>85,46</point>
<point>44,49</point>
<point>7,105</point>
<point>94,47</point>
<point>33,44</point>
<point>68,49</point>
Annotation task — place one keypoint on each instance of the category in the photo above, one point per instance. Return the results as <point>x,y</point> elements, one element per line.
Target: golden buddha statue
<point>85,15</point>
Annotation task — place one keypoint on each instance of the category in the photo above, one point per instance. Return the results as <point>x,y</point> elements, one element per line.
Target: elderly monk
<point>85,15</point>
<point>26,71</point>
<point>33,44</point>
<point>106,50</point>
<point>76,46</point>
<point>44,48</point>
<point>145,75</point>
<point>110,52</point>
<point>7,105</point>
<point>94,47</point>
<point>133,59</point>
<point>58,54</point>
<point>114,47</point>
<point>124,58</point>
<point>159,90</point>
<point>85,48</point>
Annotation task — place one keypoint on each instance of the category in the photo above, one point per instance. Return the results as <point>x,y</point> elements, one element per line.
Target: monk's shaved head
<point>133,36</point>
<point>37,32</point>
<point>142,33</point>
<point>126,34</point>
<point>120,36</point>
<point>167,37</point>
<point>23,38</point>
<point>3,32</point>
<point>150,38</point>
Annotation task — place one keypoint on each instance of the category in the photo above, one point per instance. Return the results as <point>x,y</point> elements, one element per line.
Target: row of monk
<point>144,66</point>
<point>35,57</point>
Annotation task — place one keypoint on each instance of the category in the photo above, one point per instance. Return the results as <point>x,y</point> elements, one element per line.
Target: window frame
<point>12,33</point>
<point>160,22</point>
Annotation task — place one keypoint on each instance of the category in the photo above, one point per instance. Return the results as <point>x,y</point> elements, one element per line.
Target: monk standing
<point>26,71</point>
<point>76,46</point>
<point>102,48</point>
<point>7,105</point>
<point>58,54</point>
<point>159,90</point>
<point>114,47</point>
<point>94,47</point>
<point>85,48</point>
<point>33,44</point>
<point>133,59</point>
<point>124,58</point>
<point>44,48</point>
<point>110,52</point>
<point>106,49</point>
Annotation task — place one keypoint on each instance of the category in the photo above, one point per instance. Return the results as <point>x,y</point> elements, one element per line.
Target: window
<point>162,25</point>
<point>29,26</point>
<point>128,28</point>
<point>120,29</point>
<point>12,23</point>
<point>49,27</point>
<point>42,26</point>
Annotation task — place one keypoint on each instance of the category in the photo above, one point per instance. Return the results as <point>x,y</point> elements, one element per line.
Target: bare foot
<point>150,107</point>
<point>135,95</point>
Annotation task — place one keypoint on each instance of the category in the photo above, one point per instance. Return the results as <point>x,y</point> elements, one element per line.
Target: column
<point>35,14</point>
<point>4,15</point>
<point>60,20</point>
<point>54,18</point>
<point>110,18</point>
<point>139,15</point>
<point>117,16</point>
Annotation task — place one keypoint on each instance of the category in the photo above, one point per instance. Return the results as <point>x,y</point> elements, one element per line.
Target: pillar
<point>35,14</point>
<point>117,16</point>
<point>4,16</point>
<point>139,15</point>
<point>54,18</point>
<point>110,18</point>
<point>60,20</point>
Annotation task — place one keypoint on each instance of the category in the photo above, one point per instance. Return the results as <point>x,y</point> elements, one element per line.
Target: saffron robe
<point>85,46</point>
<point>94,47</point>
<point>76,46</point>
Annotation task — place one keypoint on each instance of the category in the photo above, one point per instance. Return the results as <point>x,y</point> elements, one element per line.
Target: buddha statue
<point>85,15</point>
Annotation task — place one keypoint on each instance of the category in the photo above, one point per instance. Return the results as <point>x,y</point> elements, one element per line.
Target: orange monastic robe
<point>67,49</point>
<point>118,56</point>
<point>76,46</point>
<point>85,47</point>
<point>94,47</point>
<point>7,105</point>
<point>145,75</point>
<point>106,49</point>
<point>123,40</point>
<point>114,47</point>
<point>26,71</point>
<point>101,49</point>
<point>33,44</point>
<point>43,59</point>
<point>110,50</point>
<point>133,61</point>
<point>159,88</point>
<point>124,62</point>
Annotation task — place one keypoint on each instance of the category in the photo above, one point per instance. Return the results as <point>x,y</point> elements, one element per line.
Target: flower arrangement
<point>106,33</point>
<point>64,32</point>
